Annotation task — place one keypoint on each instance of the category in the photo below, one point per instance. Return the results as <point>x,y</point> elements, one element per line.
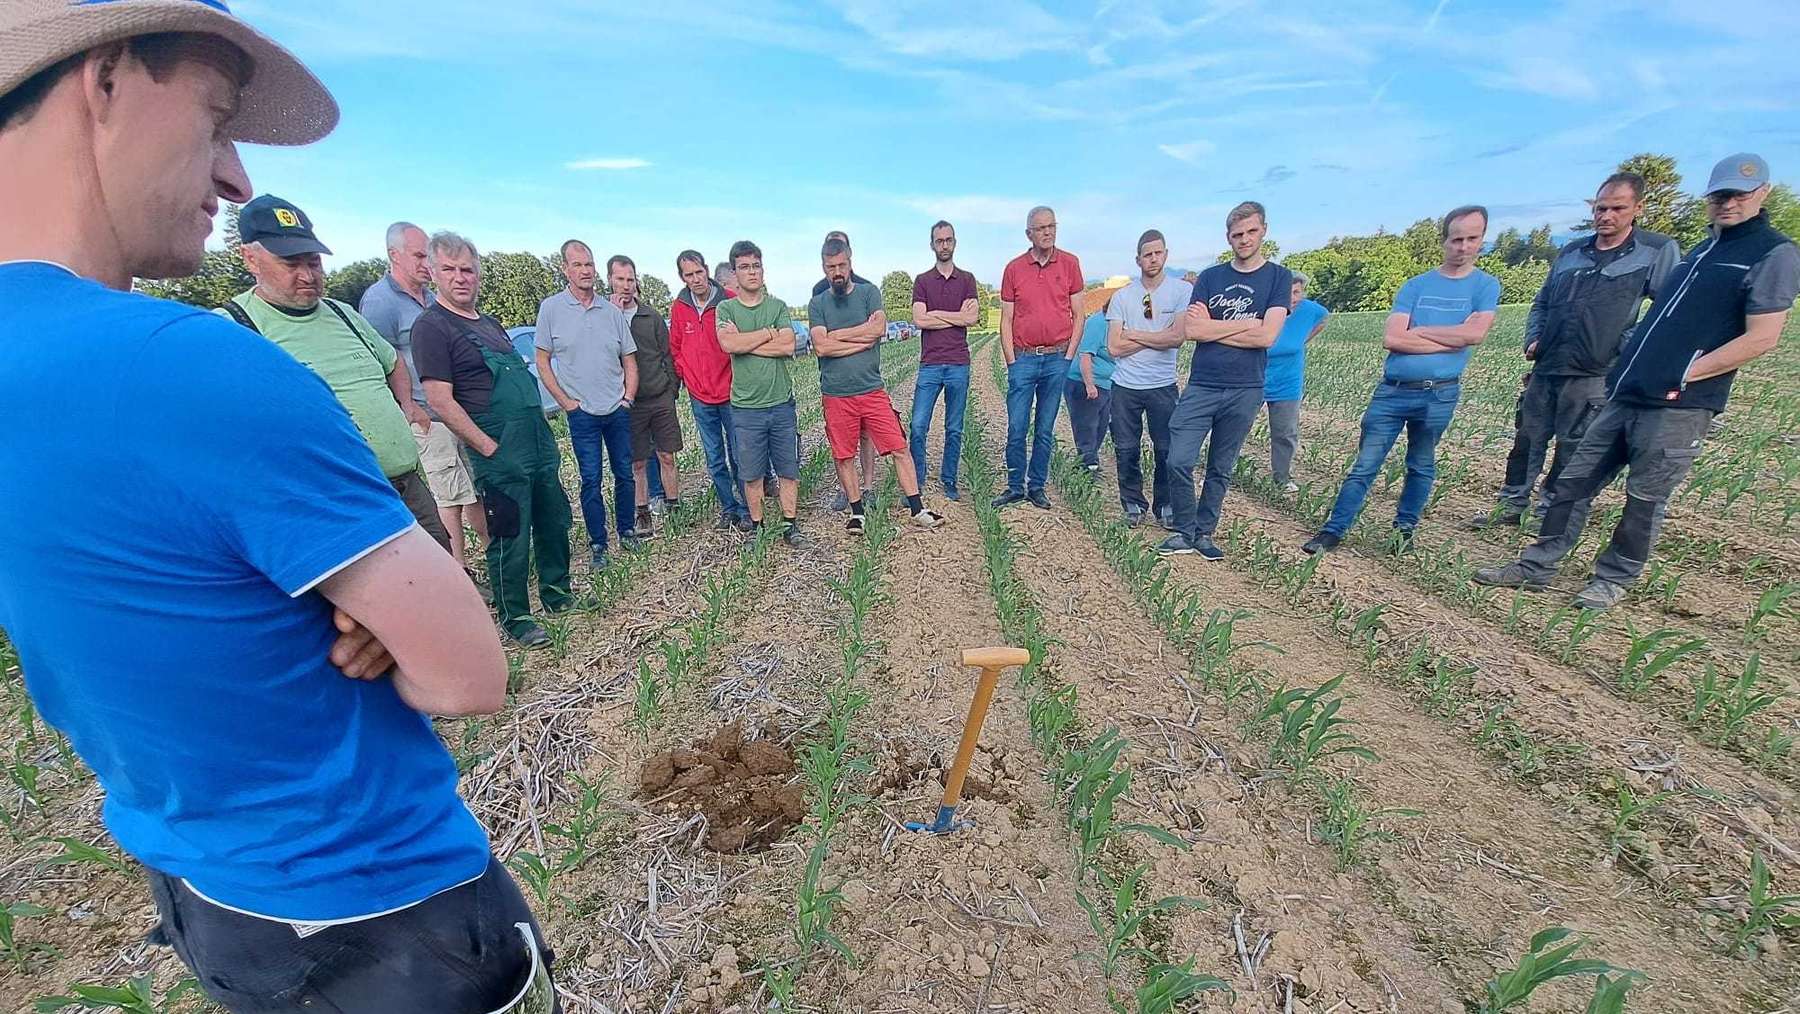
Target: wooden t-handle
<point>990,661</point>
<point>995,658</point>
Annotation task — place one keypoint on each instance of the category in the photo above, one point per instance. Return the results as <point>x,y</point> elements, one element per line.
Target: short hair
<point>744,248</point>
<point>1625,179</point>
<point>839,234</point>
<point>563,251</point>
<point>1245,210</point>
<point>832,247</point>
<point>159,52</point>
<point>940,224</point>
<point>720,270</point>
<point>1462,212</point>
<point>450,244</point>
<point>1042,209</point>
<point>617,259</point>
<point>1150,236</point>
<point>689,257</point>
<point>396,234</point>
<point>1299,276</point>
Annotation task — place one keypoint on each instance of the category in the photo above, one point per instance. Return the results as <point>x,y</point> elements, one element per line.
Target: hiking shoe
<point>1038,499</point>
<point>855,525</point>
<point>644,522</point>
<point>1324,542</point>
<point>928,518</point>
<point>1498,518</point>
<point>791,534</point>
<point>1008,498</point>
<point>1290,487</point>
<point>631,542</point>
<point>842,503</point>
<point>1207,550</point>
<point>598,560</point>
<point>1134,519</point>
<point>744,524</point>
<point>726,522</point>
<point>1600,594</point>
<point>481,587</point>
<point>1175,545</point>
<point>1512,575</point>
<point>951,494</point>
<point>1400,541</point>
<point>532,636</point>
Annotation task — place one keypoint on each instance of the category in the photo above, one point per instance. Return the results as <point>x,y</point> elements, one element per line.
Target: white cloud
<point>956,30</point>
<point>1189,151</point>
<point>609,164</point>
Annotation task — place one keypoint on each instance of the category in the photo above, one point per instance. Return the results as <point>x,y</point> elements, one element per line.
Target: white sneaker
<point>658,506</point>
<point>1291,487</point>
<point>928,519</point>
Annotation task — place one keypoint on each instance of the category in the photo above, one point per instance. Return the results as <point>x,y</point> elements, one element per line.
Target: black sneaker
<point>532,636</point>
<point>791,534</point>
<point>1166,520</point>
<point>1497,518</point>
<point>726,522</point>
<point>1175,545</point>
<point>1324,542</point>
<point>1207,550</point>
<point>1038,499</point>
<point>598,560</point>
<point>855,525</point>
<point>1008,498</point>
<point>1512,575</point>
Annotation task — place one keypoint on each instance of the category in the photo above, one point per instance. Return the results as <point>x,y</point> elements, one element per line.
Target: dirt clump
<point>742,787</point>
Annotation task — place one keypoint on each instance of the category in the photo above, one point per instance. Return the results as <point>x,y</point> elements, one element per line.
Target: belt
<point>1042,350</point>
<point>1421,385</point>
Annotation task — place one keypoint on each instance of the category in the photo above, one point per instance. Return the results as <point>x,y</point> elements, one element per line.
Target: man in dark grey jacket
<point>1579,318</point>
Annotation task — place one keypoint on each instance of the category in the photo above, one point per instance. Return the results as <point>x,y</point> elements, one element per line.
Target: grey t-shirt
<point>1151,368</point>
<point>860,372</point>
<point>387,307</point>
<point>1773,281</point>
<point>587,347</point>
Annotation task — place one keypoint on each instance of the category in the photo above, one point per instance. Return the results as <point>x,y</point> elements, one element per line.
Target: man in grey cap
<point>1722,306</point>
<point>185,547</point>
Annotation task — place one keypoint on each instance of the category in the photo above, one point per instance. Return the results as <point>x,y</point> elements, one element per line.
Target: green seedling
<point>137,996</point>
<point>1121,921</point>
<point>467,753</point>
<point>10,947</point>
<point>1369,630</point>
<point>817,908</point>
<point>1744,699</point>
<point>1165,986</point>
<point>1774,748</point>
<point>1449,685</point>
<point>1295,579</point>
<point>79,853</point>
<point>648,700</point>
<point>1774,603</point>
<point>1543,962</point>
<point>1349,826</point>
<point>1515,616</point>
<point>1583,625</point>
<point>1609,993</point>
<point>1309,729</point>
<point>1052,718</point>
<point>593,820</point>
<point>1765,911</point>
<point>1652,653</point>
<point>1629,810</point>
<point>536,873</point>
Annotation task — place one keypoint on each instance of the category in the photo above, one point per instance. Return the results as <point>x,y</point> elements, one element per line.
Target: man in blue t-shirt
<point>1282,382</point>
<point>183,549</point>
<point>1235,313</point>
<point>1089,388</point>
<point>1437,320</point>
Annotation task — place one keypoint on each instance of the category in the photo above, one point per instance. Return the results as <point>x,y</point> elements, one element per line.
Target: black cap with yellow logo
<point>281,228</point>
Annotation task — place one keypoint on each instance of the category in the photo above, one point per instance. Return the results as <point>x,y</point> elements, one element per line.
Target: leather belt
<point>1420,385</point>
<point>1042,350</point>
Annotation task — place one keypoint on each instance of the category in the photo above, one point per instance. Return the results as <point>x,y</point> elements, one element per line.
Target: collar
<point>49,264</point>
<point>287,311</point>
<point>394,283</point>
<point>1760,222</point>
<point>1029,255</point>
<point>1593,243</point>
<point>954,271</point>
<point>568,296</point>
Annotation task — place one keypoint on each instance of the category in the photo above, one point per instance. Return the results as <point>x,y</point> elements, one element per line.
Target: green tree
<point>1784,209</point>
<point>348,283</point>
<point>896,295</point>
<point>513,284</point>
<point>1423,241</point>
<point>654,293</point>
<point>987,298</point>
<point>221,274</point>
<point>1665,205</point>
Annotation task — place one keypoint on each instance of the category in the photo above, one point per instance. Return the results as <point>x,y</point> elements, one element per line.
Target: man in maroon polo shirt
<point>1038,319</point>
<point>946,302</point>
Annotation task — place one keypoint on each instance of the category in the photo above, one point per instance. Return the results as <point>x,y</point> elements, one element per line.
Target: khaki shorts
<point>446,469</point>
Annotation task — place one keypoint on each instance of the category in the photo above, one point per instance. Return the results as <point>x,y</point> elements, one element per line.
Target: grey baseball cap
<point>1738,173</point>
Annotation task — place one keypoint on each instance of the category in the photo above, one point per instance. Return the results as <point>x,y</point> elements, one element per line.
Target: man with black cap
<point>288,307</point>
<point>1722,306</point>
<point>189,513</point>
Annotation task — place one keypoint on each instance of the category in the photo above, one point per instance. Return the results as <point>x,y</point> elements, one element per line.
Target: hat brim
<point>1734,186</point>
<point>283,103</point>
<point>291,246</point>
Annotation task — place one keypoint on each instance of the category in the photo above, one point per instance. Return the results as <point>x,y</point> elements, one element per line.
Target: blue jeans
<point>595,438</point>
<point>720,444</point>
<point>1225,414</point>
<point>1424,415</point>
<point>1032,378</point>
<point>953,381</point>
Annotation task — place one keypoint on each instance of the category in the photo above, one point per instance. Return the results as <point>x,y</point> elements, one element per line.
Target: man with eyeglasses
<point>1039,320</point>
<point>1144,334</point>
<point>1580,317</point>
<point>946,303</point>
<point>1723,306</point>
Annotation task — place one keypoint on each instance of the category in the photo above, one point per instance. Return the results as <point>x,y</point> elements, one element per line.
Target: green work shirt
<point>859,372</point>
<point>354,364</point>
<point>759,381</point>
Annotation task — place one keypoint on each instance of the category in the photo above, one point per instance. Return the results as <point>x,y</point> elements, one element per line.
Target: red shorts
<point>847,420</point>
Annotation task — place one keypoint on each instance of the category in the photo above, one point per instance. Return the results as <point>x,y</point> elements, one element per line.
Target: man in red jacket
<point>705,369</point>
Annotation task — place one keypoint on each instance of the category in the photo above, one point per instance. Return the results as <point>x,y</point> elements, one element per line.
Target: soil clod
<point>741,786</point>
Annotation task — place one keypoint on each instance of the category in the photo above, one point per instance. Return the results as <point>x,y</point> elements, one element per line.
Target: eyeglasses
<point>1147,314</point>
<point>1721,198</point>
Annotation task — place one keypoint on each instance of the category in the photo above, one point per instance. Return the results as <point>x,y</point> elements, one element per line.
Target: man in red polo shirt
<point>705,369</point>
<point>1038,319</point>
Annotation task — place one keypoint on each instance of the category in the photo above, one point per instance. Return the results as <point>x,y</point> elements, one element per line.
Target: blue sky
<point>648,128</point>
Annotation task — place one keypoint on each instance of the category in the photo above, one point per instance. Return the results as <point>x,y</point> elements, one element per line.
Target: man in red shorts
<point>848,324</point>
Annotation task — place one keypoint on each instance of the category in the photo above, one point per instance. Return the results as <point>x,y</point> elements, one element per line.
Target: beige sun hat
<point>283,103</point>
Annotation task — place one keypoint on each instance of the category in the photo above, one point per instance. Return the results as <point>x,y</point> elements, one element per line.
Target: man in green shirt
<point>334,341</point>
<point>757,330</point>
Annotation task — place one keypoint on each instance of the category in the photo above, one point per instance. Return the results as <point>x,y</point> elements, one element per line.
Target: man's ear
<point>100,78</point>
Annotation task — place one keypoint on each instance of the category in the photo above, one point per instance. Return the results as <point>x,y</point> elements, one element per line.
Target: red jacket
<point>694,341</point>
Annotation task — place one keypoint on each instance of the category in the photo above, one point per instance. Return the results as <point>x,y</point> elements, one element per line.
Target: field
<point>1349,783</point>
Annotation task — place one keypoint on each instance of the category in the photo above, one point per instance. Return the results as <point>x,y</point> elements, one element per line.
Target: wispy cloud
<point>1436,13</point>
<point>606,164</point>
<point>1190,151</point>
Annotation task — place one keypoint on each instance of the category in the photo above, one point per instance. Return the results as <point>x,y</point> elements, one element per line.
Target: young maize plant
<point>1652,653</point>
<point>1629,811</point>
<point>10,946</point>
<point>1764,912</point>
<point>137,996</point>
<point>1546,958</point>
<point>1348,825</point>
<point>1773,603</point>
<point>1309,730</point>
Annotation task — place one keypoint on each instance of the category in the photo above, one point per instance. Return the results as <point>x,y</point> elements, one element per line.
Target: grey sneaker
<point>1499,517</point>
<point>927,518</point>
<point>1175,545</point>
<point>1513,575</point>
<point>1600,594</point>
<point>1290,487</point>
<point>659,506</point>
<point>1134,519</point>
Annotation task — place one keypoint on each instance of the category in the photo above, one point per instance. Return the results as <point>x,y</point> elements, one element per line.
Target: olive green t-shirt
<point>858,372</point>
<point>759,381</point>
<point>354,362</point>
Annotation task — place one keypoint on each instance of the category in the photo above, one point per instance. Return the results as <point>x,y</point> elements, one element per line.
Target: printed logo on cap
<point>1747,170</point>
<point>287,218</point>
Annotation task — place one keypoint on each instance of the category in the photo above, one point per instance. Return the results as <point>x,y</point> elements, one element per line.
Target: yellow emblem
<point>287,218</point>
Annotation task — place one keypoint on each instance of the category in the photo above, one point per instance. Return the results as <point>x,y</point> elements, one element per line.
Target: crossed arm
<point>769,342</point>
<point>968,315</point>
<point>1122,341</point>
<point>1246,333</point>
<point>1401,336</point>
<point>845,341</point>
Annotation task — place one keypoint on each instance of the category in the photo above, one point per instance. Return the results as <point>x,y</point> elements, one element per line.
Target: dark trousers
<point>1655,447</point>
<point>458,951</point>
<point>415,493</point>
<point>1226,415</point>
<point>1133,412</point>
<point>1550,406</point>
<point>596,438</point>
<point>1089,418</point>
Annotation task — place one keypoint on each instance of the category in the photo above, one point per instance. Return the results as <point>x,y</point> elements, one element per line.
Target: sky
<point>646,129</point>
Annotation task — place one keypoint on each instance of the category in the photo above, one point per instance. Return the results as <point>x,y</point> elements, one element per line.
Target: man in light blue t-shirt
<point>1145,335</point>
<point>1282,381</point>
<point>1438,319</point>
